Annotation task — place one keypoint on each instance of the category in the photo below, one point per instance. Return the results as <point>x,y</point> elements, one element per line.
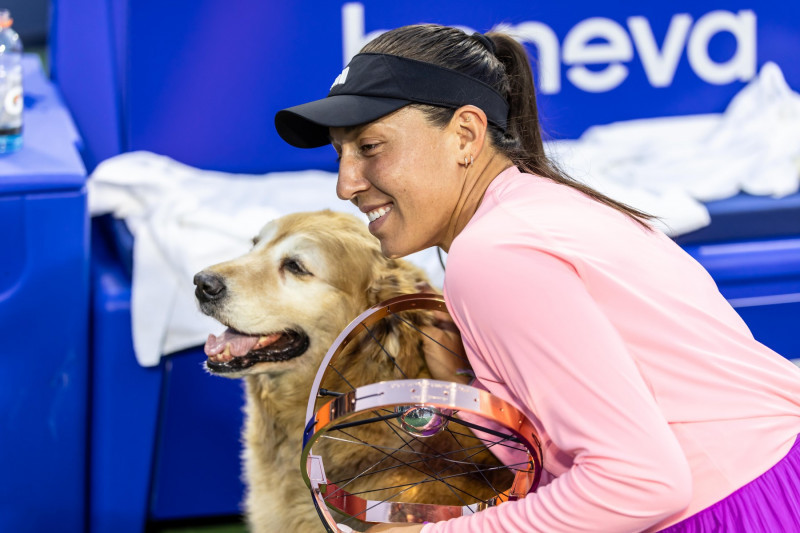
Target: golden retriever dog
<point>284,303</point>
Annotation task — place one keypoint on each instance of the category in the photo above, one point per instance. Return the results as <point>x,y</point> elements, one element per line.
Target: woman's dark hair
<point>508,71</point>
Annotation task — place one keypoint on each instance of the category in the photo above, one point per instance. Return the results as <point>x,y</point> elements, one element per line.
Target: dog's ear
<point>400,337</point>
<point>394,277</point>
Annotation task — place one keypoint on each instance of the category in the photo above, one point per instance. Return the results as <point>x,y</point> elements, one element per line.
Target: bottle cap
<point>5,19</point>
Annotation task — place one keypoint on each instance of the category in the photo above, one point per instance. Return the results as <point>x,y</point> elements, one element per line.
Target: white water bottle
<point>11,99</point>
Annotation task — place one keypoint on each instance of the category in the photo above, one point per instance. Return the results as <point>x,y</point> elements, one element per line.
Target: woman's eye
<point>367,147</point>
<point>295,267</point>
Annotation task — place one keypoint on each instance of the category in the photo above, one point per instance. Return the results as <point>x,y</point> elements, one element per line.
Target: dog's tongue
<point>240,344</point>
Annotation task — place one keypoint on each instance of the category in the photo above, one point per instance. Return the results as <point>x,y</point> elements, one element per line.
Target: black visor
<point>374,85</point>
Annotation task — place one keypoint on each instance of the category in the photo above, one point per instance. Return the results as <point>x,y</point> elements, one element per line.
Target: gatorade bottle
<point>10,85</point>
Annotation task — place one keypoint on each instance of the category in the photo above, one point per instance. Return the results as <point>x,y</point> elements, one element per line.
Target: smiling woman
<point>419,134</point>
<point>608,337</point>
<point>392,170</point>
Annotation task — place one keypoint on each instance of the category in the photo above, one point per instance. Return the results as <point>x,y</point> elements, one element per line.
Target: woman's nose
<point>351,179</point>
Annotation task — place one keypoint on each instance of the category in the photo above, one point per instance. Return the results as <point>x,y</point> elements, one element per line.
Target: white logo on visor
<point>341,78</point>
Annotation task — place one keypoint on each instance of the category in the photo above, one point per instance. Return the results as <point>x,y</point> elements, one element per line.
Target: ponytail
<point>522,142</point>
<point>523,137</point>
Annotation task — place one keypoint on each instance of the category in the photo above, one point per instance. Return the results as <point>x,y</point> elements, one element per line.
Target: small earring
<point>466,161</point>
<point>471,161</point>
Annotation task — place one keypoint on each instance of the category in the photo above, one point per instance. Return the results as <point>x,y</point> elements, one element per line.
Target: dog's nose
<point>209,286</point>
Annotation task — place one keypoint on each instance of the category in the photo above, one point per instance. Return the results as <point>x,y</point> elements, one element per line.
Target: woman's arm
<point>534,321</point>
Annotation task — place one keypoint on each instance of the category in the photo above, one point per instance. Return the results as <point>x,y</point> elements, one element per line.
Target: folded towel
<point>752,147</point>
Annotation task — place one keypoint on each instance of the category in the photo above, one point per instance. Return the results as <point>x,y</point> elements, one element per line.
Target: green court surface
<point>197,527</point>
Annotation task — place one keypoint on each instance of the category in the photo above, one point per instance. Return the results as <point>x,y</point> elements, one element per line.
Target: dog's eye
<point>294,266</point>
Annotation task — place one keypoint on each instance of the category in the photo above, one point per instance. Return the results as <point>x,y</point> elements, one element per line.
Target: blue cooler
<point>165,439</point>
<point>44,319</point>
<point>752,249</point>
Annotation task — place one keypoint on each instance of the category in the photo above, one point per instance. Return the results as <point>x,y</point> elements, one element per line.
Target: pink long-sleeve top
<point>648,391</point>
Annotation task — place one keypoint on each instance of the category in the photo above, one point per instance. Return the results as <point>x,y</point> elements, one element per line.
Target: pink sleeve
<point>538,328</point>
<point>507,455</point>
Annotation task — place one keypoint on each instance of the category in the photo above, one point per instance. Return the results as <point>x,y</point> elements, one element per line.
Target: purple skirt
<point>769,503</point>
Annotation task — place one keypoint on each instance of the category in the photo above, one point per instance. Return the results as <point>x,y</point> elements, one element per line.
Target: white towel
<point>185,219</point>
<point>754,146</point>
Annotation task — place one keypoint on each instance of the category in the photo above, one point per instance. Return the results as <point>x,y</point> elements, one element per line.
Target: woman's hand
<point>444,352</point>
<point>395,528</point>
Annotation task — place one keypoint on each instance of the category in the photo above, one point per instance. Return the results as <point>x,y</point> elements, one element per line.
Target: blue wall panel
<point>201,80</point>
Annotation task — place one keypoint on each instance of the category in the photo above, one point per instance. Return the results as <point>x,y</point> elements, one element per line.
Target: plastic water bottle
<point>11,99</point>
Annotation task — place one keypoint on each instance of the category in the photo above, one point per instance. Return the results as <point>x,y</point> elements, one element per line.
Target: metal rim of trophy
<point>390,401</point>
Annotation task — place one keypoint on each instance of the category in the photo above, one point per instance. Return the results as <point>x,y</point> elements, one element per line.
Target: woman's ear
<point>470,124</point>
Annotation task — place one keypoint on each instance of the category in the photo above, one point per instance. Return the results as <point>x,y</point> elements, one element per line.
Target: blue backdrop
<point>201,80</point>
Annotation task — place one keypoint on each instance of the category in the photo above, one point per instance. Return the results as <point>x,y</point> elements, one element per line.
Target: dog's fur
<point>310,274</point>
